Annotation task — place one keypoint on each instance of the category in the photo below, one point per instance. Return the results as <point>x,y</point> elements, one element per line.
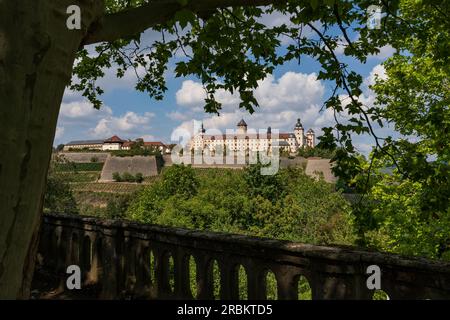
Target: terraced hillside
<point>133,165</point>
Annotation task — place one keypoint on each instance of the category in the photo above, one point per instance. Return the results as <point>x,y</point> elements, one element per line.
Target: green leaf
<point>314,4</point>
<point>184,17</point>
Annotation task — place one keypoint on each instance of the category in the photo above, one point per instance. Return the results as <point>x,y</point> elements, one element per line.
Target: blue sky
<point>291,92</point>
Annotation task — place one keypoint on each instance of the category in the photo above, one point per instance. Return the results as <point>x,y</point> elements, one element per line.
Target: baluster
<point>162,274</point>
<point>85,258</point>
<point>256,279</point>
<point>181,275</point>
<point>128,265</point>
<point>229,287</point>
<point>142,271</point>
<point>64,246</point>
<point>205,284</point>
<point>345,281</point>
<point>96,273</point>
<point>111,263</point>
<point>286,282</point>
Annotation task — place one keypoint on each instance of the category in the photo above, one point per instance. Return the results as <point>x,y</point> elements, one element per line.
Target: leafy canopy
<point>229,200</point>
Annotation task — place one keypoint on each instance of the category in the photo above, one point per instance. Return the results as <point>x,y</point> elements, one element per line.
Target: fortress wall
<point>313,165</point>
<point>83,157</point>
<point>320,165</point>
<point>145,165</point>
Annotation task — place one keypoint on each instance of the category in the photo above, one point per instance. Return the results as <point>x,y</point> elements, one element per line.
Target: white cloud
<point>71,96</point>
<point>282,101</point>
<point>377,71</point>
<point>128,124</point>
<point>191,93</point>
<point>177,116</point>
<point>292,90</point>
<point>83,110</point>
<point>364,148</point>
<point>385,52</point>
<point>110,81</point>
<point>59,132</point>
<point>275,19</point>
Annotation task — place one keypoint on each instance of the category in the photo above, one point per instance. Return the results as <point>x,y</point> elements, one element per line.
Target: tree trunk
<point>37,52</point>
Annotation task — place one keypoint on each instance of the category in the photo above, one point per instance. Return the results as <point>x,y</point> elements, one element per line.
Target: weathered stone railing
<point>114,257</point>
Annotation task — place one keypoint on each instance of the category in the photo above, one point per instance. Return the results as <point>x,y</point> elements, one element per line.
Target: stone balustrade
<point>129,260</point>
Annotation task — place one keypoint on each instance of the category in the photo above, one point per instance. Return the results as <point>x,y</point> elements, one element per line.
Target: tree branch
<point>341,25</point>
<point>354,101</point>
<point>134,21</point>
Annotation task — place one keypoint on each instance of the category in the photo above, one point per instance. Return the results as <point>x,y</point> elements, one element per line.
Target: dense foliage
<point>76,167</point>
<point>288,205</point>
<point>308,152</point>
<point>58,194</point>
<point>136,152</point>
<point>395,214</point>
<point>400,223</point>
<point>128,177</point>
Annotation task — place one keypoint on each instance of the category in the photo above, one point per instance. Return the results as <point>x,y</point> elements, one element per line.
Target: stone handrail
<point>126,259</point>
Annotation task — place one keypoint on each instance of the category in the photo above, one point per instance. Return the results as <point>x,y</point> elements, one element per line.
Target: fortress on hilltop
<point>244,140</point>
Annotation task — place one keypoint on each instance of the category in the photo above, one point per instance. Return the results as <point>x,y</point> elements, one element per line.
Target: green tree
<point>270,187</point>
<point>128,177</point>
<point>180,180</point>
<point>407,211</point>
<point>60,147</point>
<point>117,207</point>
<point>117,177</point>
<point>307,211</point>
<point>58,196</point>
<point>400,223</point>
<point>139,177</point>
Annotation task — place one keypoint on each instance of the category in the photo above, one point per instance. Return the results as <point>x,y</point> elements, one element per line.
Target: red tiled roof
<point>114,139</point>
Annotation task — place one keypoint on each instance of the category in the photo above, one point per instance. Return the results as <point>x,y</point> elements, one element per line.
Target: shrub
<point>180,180</point>
<point>117,207</point>
<point>268,186</point>
<point>73,167</point>
<point>128,177</point>
<point>234,201</point>
<point>139,177</point>
<point>94,159</point>
<point>307,152</point>
<point>59,197</point>
<point>116,176</point>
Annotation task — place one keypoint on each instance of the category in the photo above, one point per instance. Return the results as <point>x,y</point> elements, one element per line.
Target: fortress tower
<point>242,127</point>
<point>311,138</point>
<point>299,133</point>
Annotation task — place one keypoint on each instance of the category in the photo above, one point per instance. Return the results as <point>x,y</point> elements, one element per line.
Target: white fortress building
<point>249,140</point>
